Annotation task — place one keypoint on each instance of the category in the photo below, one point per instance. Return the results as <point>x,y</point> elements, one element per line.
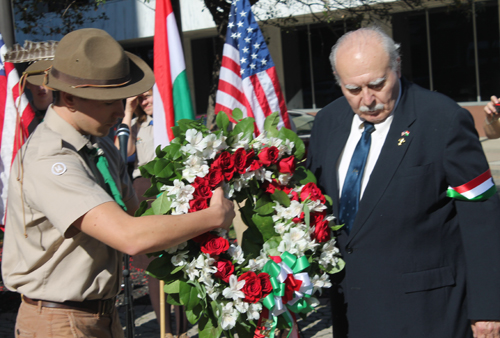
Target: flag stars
<point>242,71</point>
<point>248,40</point>
<point>245,50</point>
<point>256,45</point>
<point>230,25</point>
<point>240,24</point>
<point>243,60</point>
<point>249,30</point>
<point>243,13</point>
<point>252,65</point>
<point>264,62</point>
<point>238,35</point>
<point>234,35</point>
<point>254,56</point>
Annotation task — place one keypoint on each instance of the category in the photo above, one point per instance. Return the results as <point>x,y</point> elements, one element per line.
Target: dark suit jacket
<point>418,263</point>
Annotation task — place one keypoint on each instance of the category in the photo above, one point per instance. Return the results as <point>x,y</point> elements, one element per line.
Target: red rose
<point>295,196</point>
<point>311,191</point>
<point>240,160</point>
<point>254,165</point>
<point>197,204</point>
<point>202,188</point>
<point>252,288</point>
<point>317,217</point>
<point>225,162</point>
<point>224,269</point>
<point>268,156</point>
<point>270,187</point>
<point>287,165</point>
<point>249,158</point>
<point>214,177</point>
<point>215,246</point>
<point>299,219</point>
<point>322,232</point>
<point>265,282</point>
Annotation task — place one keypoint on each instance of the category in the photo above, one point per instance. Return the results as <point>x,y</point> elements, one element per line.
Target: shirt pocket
<point>428,279</point>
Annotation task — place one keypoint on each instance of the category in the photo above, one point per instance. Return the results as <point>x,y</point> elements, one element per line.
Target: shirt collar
<point>68,133</point>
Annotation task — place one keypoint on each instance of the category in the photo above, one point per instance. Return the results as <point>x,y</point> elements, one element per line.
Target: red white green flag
<point>171,97</point>
<point>479,189</point>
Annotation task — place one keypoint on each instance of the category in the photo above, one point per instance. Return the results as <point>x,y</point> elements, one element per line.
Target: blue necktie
<point>349,200</point>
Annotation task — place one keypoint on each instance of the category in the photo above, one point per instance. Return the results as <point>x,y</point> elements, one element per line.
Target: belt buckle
<point>106,306</point>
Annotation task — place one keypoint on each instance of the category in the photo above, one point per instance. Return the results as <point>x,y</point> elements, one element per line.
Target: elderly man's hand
<point>485,329</point>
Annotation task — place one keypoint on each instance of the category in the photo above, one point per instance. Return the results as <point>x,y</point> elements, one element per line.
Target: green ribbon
<point>102,165</point>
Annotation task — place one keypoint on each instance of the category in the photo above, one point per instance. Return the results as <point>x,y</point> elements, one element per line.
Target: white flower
<point>211,145</point>
<point>301,246</point>
<point>181,191</point>
<point>228,190</point>
<point>284,179</point>
<point>253,312</point>
<point>260,141</point>
<point>195,166</point>
<point>316,206</point>
<point>240,142</point>
<point>180,259</point>
<point>179,207</point>
<point>294,210</point>
<point>192,271</point>
<point>280,228</point>
<point>195,138</point>
<point>236,253</point>
<point>212,289</point>
<point>320,283</point>
<point>229,316</point>
<point>286,243</point>
<point>174,249</point>
<point>234,290</point>
<point>241,306</point>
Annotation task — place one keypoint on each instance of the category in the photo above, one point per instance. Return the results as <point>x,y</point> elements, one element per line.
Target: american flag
<point>248,78</point>
<point>13,126</point>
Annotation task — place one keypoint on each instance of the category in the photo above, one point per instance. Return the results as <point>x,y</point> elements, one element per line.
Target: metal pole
<point>476,58</point>
<point>6,23</point>
<point>429,56</point>
<point>313,92</point>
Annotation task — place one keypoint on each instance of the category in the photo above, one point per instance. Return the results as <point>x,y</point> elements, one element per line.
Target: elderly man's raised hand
<point>485,329</point>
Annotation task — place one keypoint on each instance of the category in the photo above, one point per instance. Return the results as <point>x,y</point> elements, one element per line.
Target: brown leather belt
<point>102,307</point>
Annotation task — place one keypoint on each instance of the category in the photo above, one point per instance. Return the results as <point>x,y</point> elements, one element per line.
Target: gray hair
<point>388,44</point>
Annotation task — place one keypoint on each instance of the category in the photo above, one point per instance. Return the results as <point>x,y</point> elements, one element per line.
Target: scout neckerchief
<point>101,162</point>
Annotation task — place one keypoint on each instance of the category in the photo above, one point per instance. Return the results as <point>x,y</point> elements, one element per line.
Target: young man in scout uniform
<point>66,227</point>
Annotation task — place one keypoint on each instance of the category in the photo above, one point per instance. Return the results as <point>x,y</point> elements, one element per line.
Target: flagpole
<point>6,25</point>
<point>162,309</point>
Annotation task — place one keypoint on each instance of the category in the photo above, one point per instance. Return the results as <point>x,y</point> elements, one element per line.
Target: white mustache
<point>365,109</point>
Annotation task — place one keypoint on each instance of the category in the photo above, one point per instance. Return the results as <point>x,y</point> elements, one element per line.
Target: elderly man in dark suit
<point>410,181</point>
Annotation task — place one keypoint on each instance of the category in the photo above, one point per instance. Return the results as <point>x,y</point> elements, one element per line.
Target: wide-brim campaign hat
<point>90,64</point>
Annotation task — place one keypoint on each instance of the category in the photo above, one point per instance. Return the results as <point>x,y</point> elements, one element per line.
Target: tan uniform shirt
<point>144,144</point>
<point>56,262</point>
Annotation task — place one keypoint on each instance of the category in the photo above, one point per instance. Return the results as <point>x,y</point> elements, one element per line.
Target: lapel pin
<point>401,141</point>
<point>405,133</point>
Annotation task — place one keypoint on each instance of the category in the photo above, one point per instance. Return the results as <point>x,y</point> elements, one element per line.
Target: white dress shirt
<point>378,138</point>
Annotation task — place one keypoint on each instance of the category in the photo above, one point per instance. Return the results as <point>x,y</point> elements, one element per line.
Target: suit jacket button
<point>348,250</point>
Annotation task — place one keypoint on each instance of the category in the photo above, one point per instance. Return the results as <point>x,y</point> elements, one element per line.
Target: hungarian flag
<point>479,189</point>
<point>171,97</point>
<point>248,78</point>
<point>15,116</point>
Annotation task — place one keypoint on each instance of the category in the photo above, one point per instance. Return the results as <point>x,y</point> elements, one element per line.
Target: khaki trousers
<point>42,322</point>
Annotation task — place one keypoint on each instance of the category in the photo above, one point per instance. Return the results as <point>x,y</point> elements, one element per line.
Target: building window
<point>454,52</point>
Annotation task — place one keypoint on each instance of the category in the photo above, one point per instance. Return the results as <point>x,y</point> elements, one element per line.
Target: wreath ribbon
<point>291,288</point>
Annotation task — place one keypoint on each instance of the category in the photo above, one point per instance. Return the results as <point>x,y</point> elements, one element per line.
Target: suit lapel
<point>389,160</point>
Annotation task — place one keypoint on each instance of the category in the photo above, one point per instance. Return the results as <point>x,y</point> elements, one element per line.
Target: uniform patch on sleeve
<point>59,168</point>
<point>479,189</point>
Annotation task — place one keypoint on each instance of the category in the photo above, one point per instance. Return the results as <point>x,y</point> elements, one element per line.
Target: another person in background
<point>141,143</point>
<point>41,99</point>
<point>492,123</point>
<point>410,182</point>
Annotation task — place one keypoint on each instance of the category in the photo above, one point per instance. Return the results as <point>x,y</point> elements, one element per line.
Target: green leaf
<point>174,151</point>
<point>334,269</point>
<point>328,200</point>
<point>142,209</point>
<point>244,330</point>
<point>272,246</point>
<point>177,131</point>
<point>281,197</point>
<point>222,122</point>
<point>160,165</point>
<point>307,215</point>
<point>173,287</point>
<point>264,205</point>
<point>271,123</point>
<point>207,329</point>
<point>173,298</point>
<point>148,212</point>
<point>194,314</point>
<point>148,169</point>
<point>161,205</point>
<point>245,126</point>
<point>303,175</point>
<point>336,227</point>
<point>299,147</point>
<point>252,240</point>
<point>159,152</point>
<point>237,114</point>
<point>160,267</point>
<point>189,295</point>
<point>265,224</point>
